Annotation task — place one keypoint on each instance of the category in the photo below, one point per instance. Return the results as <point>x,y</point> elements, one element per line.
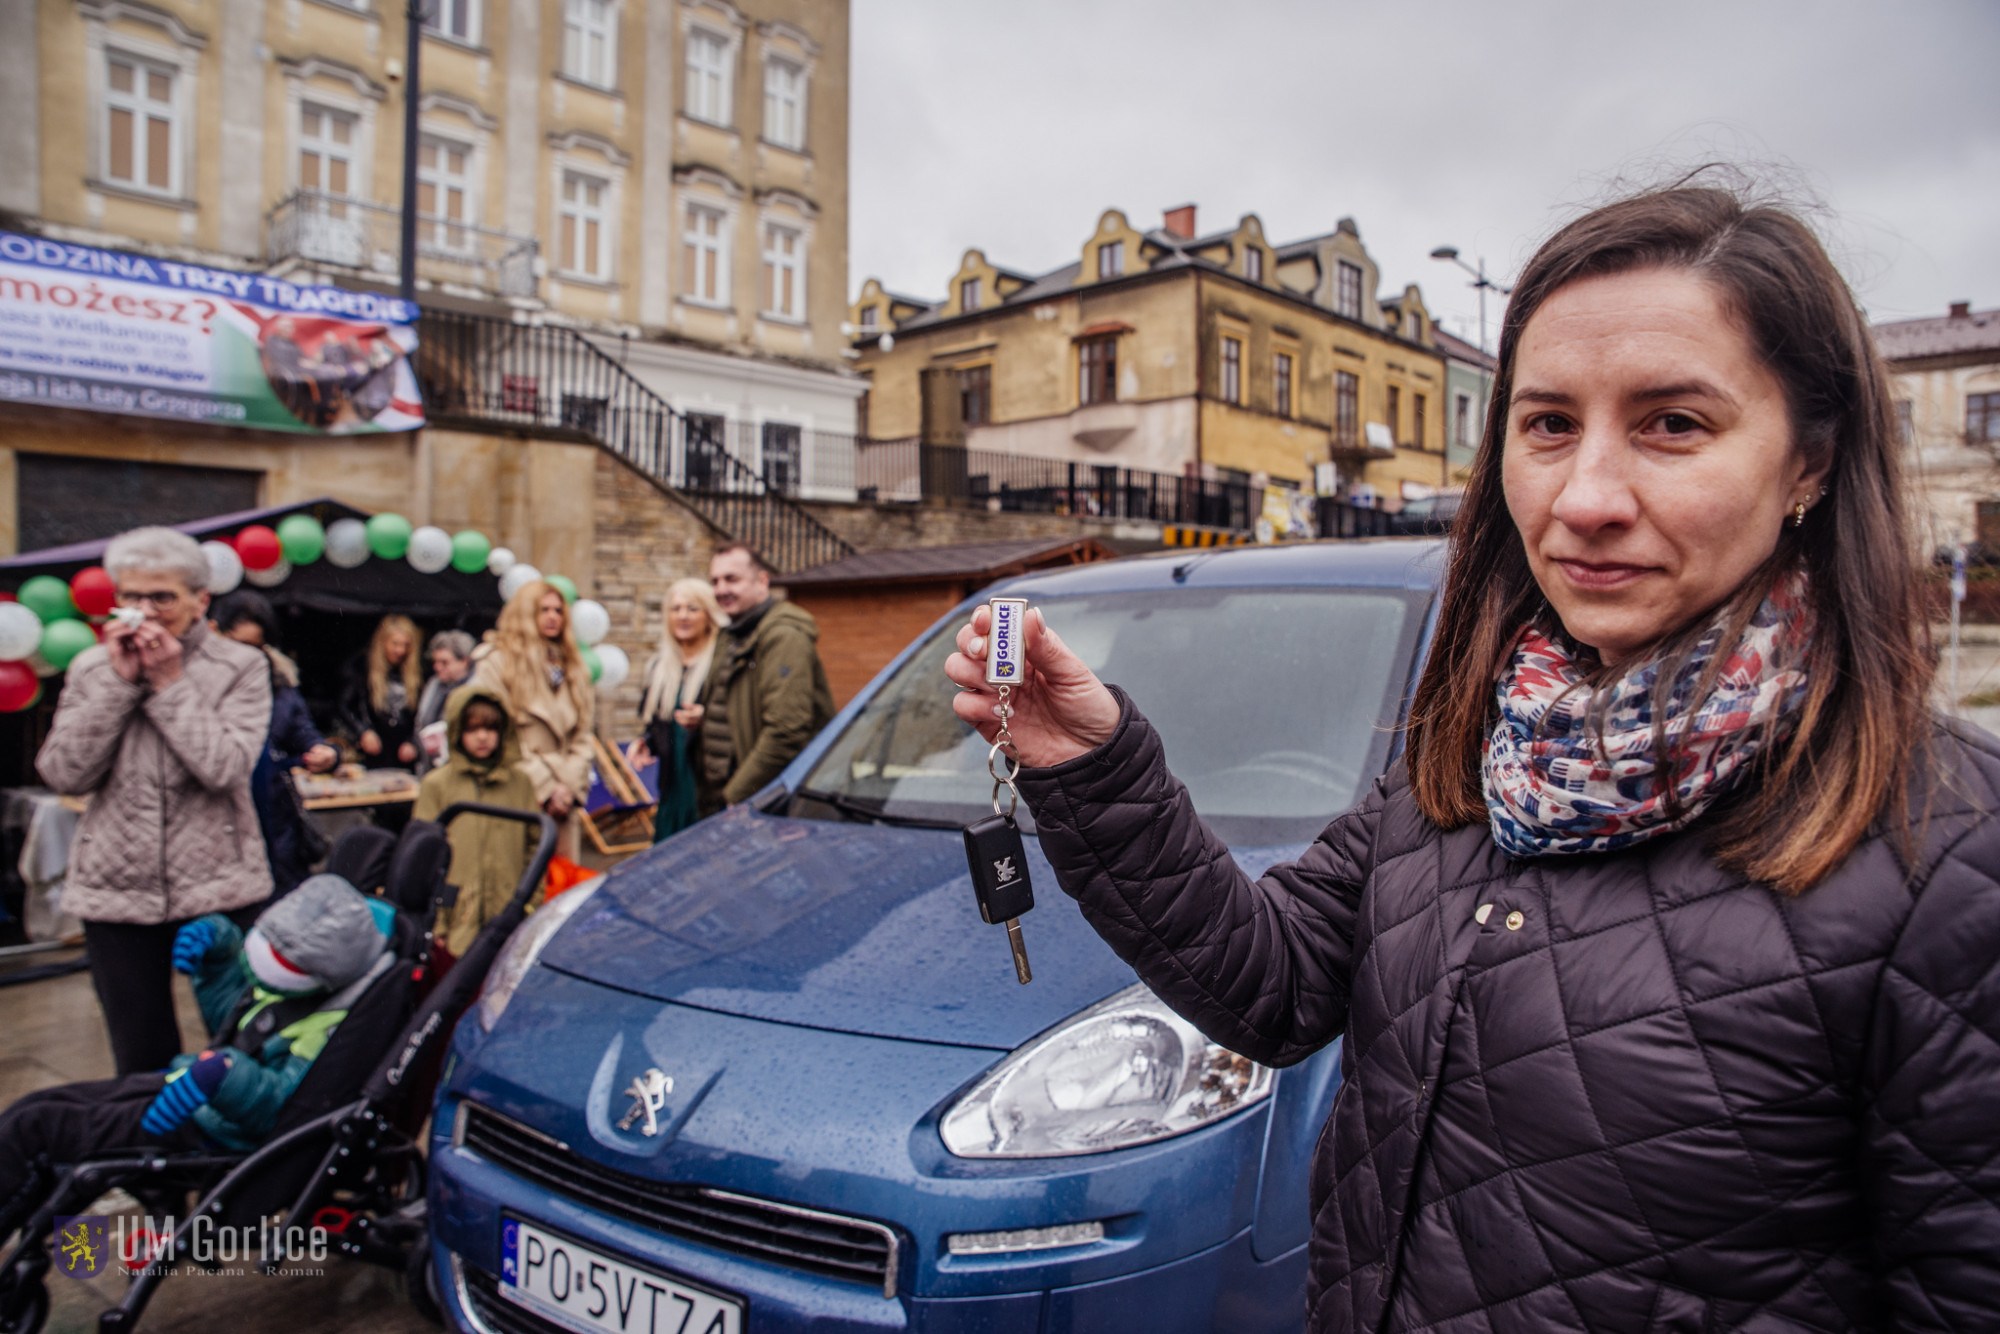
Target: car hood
<point>849,927</point>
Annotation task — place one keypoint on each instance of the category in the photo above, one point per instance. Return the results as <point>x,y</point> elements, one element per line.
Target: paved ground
<point>51,1032</point>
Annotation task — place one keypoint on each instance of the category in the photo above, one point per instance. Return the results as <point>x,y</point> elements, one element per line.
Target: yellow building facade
<point>1167,351</point>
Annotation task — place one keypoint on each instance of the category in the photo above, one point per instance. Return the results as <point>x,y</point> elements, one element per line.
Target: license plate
<point>587,1290</point>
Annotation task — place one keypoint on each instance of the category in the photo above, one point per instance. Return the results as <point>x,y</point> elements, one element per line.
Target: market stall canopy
<point>376,586</point>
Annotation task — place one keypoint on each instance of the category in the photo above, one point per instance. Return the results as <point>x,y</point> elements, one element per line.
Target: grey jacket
<point>170,832</point>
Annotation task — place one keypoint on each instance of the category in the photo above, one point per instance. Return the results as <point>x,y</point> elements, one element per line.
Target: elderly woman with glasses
<point>160,727</point>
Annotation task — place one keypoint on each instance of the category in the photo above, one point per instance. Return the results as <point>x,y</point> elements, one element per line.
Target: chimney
<point>1180,222</point>
<point>1960,310</point>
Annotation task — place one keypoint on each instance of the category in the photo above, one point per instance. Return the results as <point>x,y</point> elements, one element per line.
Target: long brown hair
<point>1864,720</point>
<point>524,654</point>
<point>411,668</point>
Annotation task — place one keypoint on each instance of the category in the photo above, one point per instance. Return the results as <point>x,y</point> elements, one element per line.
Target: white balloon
<point>347,542</point>
<point>430,549</point>
<point>517,578</point>
<point>225,567</point>
<point>271,576</point>
<point>614,664</point>
<point>20,632</point>
<point>589,620</point>
<point>499,561</point>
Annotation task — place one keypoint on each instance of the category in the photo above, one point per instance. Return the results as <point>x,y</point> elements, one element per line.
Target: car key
<point>993,847</point>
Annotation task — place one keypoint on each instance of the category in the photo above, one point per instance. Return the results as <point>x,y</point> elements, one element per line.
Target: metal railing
<point>322,228</point>
<point>908,470</point>
<point>551,378</point>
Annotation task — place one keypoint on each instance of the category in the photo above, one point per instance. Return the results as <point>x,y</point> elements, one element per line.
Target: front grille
<point>780,1234</point>
<point>494,1314</point>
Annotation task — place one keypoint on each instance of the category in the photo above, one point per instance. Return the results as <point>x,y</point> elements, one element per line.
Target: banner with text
<point>116,332</point>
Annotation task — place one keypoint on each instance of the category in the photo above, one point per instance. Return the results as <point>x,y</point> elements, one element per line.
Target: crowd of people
<point>184,727</point>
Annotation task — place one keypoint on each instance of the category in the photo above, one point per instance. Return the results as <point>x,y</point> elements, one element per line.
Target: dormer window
<point>1111,259</point>
<point>1347,291</point>
<point>870,316</point>
<point>1253,264</point>
<point>968,296</point>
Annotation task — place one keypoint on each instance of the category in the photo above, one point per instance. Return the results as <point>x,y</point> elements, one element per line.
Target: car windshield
<point>1275,704</point>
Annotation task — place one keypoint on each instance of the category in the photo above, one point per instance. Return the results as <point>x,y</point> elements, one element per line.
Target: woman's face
<point>687,621</point>
<point>396,647</point>
<point>550,615</point>
<point>1649,462</point>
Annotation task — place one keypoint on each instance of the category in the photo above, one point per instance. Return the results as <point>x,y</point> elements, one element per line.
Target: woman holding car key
<point>1667,957</point>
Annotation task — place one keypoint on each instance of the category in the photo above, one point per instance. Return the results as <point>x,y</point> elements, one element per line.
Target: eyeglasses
<point>160,601</point>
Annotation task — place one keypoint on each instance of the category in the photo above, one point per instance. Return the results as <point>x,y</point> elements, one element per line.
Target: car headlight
<point>1126,1071</point>
<point>518,955</point>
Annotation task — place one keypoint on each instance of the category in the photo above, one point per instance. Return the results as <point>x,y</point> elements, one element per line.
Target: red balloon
<point>93,592</point>
<point>18,686</point>
<point>259,547</point>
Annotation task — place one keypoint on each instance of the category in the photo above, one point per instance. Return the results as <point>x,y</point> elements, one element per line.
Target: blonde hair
<point>670,657</point>
<point>412,667</point>
<point>524,655</point>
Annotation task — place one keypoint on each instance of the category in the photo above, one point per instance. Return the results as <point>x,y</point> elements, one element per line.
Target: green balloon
<point>47,597</point>
<point>63,640</point>
<point>561,583</point>
<point>469,550</point>
<point>389,536</point>
<point>591,660</point>
<point>301,538</point>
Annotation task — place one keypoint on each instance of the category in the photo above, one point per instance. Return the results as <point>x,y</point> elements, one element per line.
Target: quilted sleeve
<point>90,722</point>
<point>1260,966</point>
<point>1932,1080</point>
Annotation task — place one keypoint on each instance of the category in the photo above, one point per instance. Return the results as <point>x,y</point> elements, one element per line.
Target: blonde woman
<point>670,715</point>
<point>378,708</point>
<point>531,662</point>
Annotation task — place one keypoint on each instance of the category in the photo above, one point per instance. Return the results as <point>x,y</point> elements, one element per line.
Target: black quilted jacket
<point>1615,1092</point>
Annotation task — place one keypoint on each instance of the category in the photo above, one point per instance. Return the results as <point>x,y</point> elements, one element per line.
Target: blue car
<point>777,1075</point>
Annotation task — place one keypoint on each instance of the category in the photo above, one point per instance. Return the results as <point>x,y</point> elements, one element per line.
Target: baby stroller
<point>345,1153</point>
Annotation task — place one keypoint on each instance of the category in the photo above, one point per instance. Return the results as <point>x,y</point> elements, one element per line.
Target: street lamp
<point>406,286</point>
<point>1484,285</point>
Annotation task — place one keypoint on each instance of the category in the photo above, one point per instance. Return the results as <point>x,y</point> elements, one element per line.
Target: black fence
<point>553,379</point>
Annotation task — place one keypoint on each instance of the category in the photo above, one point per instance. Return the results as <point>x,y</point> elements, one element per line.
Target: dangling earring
<point>1799,515</point>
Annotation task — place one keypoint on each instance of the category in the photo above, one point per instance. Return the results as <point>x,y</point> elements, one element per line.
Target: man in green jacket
<point>767,693</point>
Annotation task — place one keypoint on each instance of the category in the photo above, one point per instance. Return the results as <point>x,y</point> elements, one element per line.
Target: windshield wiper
<point>847,805</point>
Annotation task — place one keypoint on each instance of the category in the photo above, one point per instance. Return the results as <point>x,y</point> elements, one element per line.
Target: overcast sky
<point>1011,124</point>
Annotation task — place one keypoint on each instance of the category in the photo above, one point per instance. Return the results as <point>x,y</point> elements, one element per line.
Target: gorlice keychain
<point>993,846</point>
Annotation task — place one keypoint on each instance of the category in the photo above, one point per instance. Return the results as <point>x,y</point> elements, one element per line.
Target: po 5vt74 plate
<point>588,1291</point>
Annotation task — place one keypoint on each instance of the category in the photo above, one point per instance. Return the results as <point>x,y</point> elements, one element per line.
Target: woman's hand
<point>321,758</point>
<point>1061,709</point>
<point>159,655</point>
<point>123,651</point>
<point>370,743</point>
<point>689,717</point>
<point>406,753</point>
<point>559,801</point>
<point>640,755</point>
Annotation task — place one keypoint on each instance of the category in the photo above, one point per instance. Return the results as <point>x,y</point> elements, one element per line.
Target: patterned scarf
<point>1555,784</point>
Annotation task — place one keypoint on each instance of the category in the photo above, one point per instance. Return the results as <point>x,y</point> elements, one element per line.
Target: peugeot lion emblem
<point>648,1093</point>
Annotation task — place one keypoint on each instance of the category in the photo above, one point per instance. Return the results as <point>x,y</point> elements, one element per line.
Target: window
<point>701,457</point>
<point>1347,295</point>
<point>784,104</point>
<point>1253,264</point>
<point>1982,419</point>
<point>870,316</point>
<point>1111,259</point>
<point>1281,384</point>
<point>1416,330</point>
<point>968,295</point>
<point>1461,431</point>
<point>1232,370</point>
<point>708,77</point>
<point>326,154</point>
<point>1395,412</point>
<point>583,249</point>
<point>1097,370</point>
<point>140,142</point>
<point>452,18</point>
<point>443,187</point>
<point>1346,409</point>
<point>590,48</point>
<point>782,471</point>
<point>975,395</point>
<point>705,256</point>
<point>1417,436</point>
<point>784,279</point>
<point>1906,422</point>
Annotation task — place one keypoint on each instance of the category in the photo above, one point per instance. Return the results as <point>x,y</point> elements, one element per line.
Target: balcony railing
<point>320,228</point>
<point>550,378</point>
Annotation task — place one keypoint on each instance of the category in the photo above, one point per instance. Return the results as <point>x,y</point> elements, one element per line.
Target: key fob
<point>999,865</point>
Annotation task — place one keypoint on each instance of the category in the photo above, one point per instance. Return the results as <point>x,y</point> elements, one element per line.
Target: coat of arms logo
<point>83,1245</point>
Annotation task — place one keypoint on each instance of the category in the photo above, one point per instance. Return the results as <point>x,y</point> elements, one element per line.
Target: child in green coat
<point>488,856</point>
